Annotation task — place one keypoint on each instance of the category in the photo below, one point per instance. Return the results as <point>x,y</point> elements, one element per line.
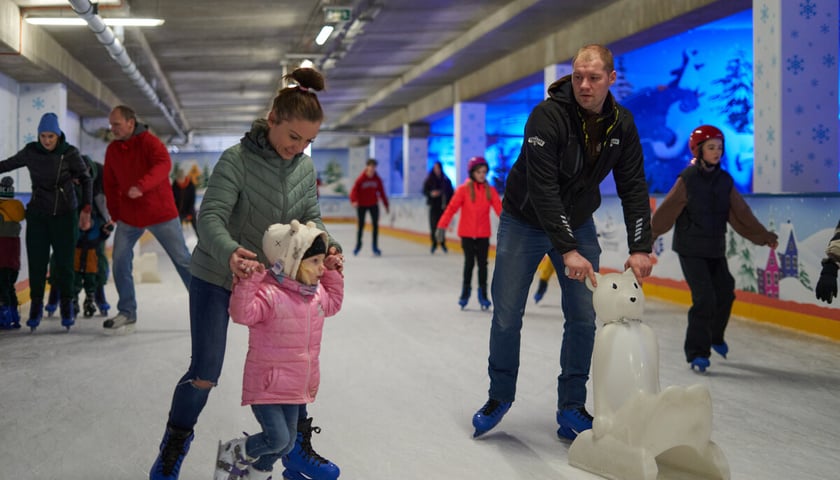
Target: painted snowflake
<point>824,28</point>
<point>807,9</point>
<point>796,64</point>
<point>38,103</point>
<point>799,109</point>
<point>765,14</point>
<point>828,162</point>
<point>794,34</point>
<point>828,60</point>
<point>771,135</point>
<point>28,138</point>
<point>820,134</point>
<point>797,168</point>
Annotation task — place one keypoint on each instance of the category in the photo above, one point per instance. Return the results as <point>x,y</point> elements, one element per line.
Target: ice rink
<point>403,371</point>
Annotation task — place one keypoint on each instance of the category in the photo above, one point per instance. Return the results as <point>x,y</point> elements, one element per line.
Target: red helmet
<point>476,162</point>
<point>700,135</point>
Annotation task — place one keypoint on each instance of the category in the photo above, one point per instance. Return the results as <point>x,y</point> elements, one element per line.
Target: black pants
<point>712,294</point>
<point>435,213</point>
<point>374,221</point>
<point>475,253</point>
<point>8,295</point>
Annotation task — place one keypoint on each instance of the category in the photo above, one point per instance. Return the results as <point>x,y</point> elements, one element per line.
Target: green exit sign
<point>337,14</point>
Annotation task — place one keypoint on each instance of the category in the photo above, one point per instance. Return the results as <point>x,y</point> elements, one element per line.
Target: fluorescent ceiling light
<point>324,34</point>
<point>111,22</point>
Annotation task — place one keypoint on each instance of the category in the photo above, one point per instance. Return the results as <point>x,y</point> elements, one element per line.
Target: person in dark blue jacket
<point>573,140</point>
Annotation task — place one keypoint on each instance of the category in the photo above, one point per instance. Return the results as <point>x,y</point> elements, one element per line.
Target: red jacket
<point>142,161</point>
<point>367,191</point>
<point>475,214</point>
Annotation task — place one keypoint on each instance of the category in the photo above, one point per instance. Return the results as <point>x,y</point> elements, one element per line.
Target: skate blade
<point>123,330</point>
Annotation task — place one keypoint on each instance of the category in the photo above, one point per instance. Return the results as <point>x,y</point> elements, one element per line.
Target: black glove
<point>440,235</point>
<point>827,285</point>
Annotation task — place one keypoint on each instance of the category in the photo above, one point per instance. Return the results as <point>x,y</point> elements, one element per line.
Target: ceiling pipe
<point>106,37</point>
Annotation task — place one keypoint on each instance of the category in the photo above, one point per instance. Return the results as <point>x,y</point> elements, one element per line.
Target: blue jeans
<point>279,431</point>
<point>519,248</point>
<point>171,238</point>
<point>208,331</point>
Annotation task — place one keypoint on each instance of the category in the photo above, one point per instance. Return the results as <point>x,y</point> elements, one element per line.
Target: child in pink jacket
<point>284,308</point>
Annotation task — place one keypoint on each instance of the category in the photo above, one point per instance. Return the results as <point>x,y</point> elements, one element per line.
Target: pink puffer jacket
<point>285,324</point>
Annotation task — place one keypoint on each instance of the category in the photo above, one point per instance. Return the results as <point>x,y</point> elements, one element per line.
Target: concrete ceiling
<point>216,64</point>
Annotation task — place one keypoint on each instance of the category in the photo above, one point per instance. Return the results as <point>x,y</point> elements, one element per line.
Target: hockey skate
<point>465,297</point>
<point>232,461</point>
<point>68,313</point>
<point>36,311</point>
<point>52,301</point>
<point>89,306</point>
<point>173,449</point>
<point>488,416</point>
<point>700,364</point>
<point>572,421</point>
<point>303,463</point>
<point>120,324</point>
<point>101,302</point>
<point>721,348</point>
<point>482,299</point>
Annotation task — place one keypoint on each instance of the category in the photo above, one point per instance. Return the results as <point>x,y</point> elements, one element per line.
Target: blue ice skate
<point>573,421</point>
<point>173,449</point>
<point>700,364</point>
<point>303,463</point>
<point>721,348</point>
<point>486,418</point>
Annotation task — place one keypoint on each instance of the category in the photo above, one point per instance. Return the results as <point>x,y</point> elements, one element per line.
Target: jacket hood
<point>256,140</point>
<point>139,128</point>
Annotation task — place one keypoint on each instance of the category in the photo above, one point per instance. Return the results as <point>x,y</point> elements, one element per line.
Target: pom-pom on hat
<point>49,123</point>
<point>7,187</point>
<point>286,245</point>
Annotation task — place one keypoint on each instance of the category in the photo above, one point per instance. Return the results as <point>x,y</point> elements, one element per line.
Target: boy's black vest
<point>700,230</point>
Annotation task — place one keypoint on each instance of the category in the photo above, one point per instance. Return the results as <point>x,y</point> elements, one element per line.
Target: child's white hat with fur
<point>289,243</point>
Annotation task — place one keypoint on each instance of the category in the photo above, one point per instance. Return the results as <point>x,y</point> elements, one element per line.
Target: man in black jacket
<point>573,140</point>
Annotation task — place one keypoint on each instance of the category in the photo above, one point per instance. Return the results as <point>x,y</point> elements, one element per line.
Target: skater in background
<point>545,270</point>
<point>474,198</point>
<point>265,170</point>
<point>11,214</point>
<point>284,309</point>
<point>700,203</point>
<point>139,197</point>
<point>101,228</point>
<point>183,189</point>
<point>53,214</point>
<point>827,284</point>
<point>438,191</point>
<point>365,196</point>
<point>573,140</point>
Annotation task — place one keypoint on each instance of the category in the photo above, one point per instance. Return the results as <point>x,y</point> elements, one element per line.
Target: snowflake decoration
<point>794,34</point>
<point>771,135</point>
<point>807,9</point>
<point>828,162</point>
<point>797,168</point>
<point>796,64</point>
<point>759,69</point>
<point>820,134</point>
<point>765,14</point>
<point>799,109</point>
<point>811,156</point>
<point>815,82</point>
<point>28,138</point>
<point>824,28</point>
<point>828,60</point>
<point>38,103</point>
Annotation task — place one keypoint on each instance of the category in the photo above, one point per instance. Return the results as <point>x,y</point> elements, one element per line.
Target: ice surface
<point>403,370</point>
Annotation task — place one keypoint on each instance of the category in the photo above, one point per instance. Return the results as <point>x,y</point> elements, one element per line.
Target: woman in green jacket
<point>51,218</point>
<point>263,180</point>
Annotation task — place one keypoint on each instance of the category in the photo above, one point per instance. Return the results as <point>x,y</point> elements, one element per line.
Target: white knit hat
<point>288,243</point>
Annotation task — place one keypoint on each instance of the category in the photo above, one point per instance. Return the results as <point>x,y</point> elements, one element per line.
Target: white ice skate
<point>232,462</point>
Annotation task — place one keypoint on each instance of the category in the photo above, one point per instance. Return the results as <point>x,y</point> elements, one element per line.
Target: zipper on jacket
<point>57,188</point>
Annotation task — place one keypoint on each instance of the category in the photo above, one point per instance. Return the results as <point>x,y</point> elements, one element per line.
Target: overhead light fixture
<point>111,22</point>
<point>324,34</point>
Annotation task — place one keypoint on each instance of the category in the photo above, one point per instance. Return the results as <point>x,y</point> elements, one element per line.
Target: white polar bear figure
<point>638,431</point>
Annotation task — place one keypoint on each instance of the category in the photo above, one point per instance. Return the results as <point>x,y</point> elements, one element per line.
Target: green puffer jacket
<point>251,188</point>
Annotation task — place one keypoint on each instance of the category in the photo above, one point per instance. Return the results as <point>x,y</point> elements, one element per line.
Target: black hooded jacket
<point>52,174</point>
<point>553,187</point>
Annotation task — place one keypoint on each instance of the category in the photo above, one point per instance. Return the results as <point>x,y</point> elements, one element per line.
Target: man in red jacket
<point>139,197</point>
<point>365,196</point>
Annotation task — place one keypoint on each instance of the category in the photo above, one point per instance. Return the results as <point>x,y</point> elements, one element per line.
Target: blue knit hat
<point>49,123</point>
<point>7,187</point>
